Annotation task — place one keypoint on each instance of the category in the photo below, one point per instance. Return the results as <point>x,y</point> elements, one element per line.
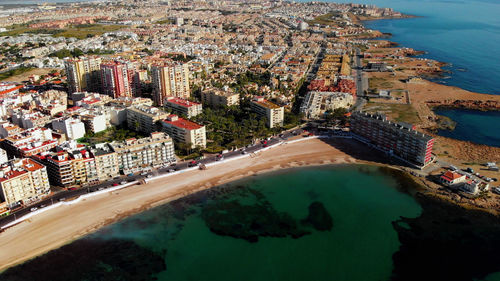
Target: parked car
<point>193,163</point>
<point>115,184</point>
<point>123,182</point>
<point>149,176</point>
<point>33,209</point>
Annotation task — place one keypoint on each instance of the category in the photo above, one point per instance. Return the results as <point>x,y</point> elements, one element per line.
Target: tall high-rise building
<point>83,74</point>
<point>398,139</point>
<point>170,80</point>
<point>115,79</point>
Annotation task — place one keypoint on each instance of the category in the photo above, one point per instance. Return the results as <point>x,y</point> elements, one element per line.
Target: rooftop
<point>266,104</point>
<point>179,122</point>
<point>182,102</point>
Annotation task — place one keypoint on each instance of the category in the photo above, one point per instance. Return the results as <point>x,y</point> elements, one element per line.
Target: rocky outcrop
<point>469,104</point>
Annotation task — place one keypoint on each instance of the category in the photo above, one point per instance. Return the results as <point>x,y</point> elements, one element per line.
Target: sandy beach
<point>59,226</point>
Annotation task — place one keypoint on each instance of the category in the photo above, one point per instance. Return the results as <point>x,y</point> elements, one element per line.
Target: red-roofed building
<point>23,181</point>
<point>450,178</point>
<point>185,131</point>
<point>9,89</point>
<point>183,107</point>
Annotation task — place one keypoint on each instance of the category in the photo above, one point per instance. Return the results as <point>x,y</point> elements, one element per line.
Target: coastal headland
<point>421,96</point>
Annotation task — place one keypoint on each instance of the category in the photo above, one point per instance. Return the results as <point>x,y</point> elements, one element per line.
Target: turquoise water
<point>362,202</point>
<point>465,33</point>
<point>473,125</point>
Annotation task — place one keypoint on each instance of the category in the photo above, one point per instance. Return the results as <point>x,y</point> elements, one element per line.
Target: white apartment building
<point>216,97</point>
<point>273,113</point>
<point>106,161</point>
<point>138,154</point>
<point>183,107</point>
<point>23,181</point>
<point>73,128</point>
<point>185,131</point>
<point>144,118</point>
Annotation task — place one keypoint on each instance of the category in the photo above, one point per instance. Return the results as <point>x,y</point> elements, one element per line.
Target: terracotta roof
<point>449,175</point>
<point>183,123</point>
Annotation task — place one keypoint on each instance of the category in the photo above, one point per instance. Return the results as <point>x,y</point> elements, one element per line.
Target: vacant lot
<point>78,31</point>
<point>398,112</point>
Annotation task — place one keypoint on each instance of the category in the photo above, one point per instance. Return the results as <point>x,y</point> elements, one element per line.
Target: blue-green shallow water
<point>362,202</point>
<point>378,233</point>
<point>482,127</point>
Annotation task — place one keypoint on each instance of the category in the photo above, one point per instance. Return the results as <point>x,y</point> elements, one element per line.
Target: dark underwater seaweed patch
<point>90,259</point>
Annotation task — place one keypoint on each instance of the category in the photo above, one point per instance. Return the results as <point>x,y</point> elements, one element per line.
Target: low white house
<point>451,178</point>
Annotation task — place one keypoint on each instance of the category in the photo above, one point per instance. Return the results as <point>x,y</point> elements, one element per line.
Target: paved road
<point>360,82</point>
<point>63,195</point>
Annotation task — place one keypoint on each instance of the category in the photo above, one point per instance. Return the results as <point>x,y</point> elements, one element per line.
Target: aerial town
<point>97,95</point>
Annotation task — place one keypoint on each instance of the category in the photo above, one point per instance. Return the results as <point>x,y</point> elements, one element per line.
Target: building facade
<point>73,128</point>
<point>316,103</point>
<point>170,80</point>
<point>23,181</point>
<point>183,107</point>
<point>216,97</point>
<point>83,74</point>
<point>106,161</point>
<point>115,79</point>
<point>185,131</point>
<point>145,118</point>
<point>399,139</point>
<point>138,154</point>
<point>273,113</point>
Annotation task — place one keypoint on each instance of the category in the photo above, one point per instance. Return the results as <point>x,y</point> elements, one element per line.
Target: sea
<point>481,127</point>
<point>465,34</point>
<point>342,222</point>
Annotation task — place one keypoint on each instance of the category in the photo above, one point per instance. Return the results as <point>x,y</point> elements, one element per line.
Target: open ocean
<point>463,33</point>
<point>466,35</point>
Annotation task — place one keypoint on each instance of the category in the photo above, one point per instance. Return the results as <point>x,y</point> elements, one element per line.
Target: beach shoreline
<point>59,226</point>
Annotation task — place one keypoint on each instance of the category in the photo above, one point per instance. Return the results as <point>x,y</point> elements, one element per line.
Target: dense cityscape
<point>99,96</point>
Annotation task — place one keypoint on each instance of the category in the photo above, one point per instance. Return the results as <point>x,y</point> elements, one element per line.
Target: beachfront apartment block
<point>216,97</point>
<point>183,107</point>
<point>72,166</point>
<point>138,154</point>
<point>23,181</point>
<point>273,113</point>
<point>170,79</point>
<point>83,74</point>
<point>144,118</point>
<point>398,139</point>
<point>106,161</point>
<point>185,131</point>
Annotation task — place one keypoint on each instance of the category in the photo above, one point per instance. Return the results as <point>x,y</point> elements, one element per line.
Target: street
<point>67,194</point>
